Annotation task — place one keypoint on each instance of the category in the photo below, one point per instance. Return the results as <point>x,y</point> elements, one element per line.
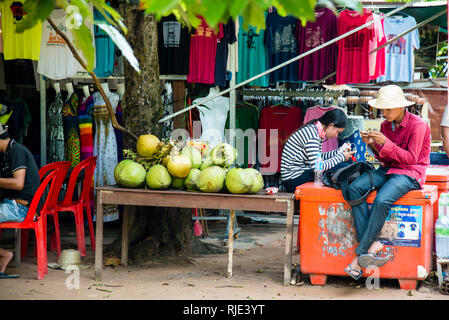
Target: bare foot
<point>376,247</point>
<point>5,258</point>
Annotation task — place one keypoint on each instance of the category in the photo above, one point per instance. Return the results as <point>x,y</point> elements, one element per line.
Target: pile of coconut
<point>163,165</point>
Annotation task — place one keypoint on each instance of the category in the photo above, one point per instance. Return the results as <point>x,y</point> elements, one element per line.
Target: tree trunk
<point>153,231</point>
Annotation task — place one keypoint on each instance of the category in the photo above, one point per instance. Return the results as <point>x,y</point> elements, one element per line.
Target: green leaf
<point>158,6</point>
<point>215,11</point>
<point>236,7</point>
<point>121,43</point>
<point>82,38</point>
<point>254,15</point>
<point>351,4</point>
<point>37,10</point>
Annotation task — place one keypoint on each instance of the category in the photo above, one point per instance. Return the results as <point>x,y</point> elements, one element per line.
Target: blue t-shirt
<point>399,57</point>
<point>252,55</point>
<point>280,39</point>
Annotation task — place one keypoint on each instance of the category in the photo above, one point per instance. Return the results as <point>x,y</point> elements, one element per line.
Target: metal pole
<point>43,121</point>
<point>287,62</point>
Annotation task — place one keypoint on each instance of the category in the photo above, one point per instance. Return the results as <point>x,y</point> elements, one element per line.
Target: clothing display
<point>104,48</point>
<point>247,121</point>
<point>203,49</point>
<point>71,130</point>
<point>221,57</point>
<point>173,46</point>
<point>252,55</point>
<point>56,61</point>
<point>167,102</point>
<point>399,54</point>
<point>281,42</point>
<point>85,113</point>
<point>320,63</point>
<point>353,51</point>
<point>315,113</point>
<point>25,45</point>
<point>377,59</point>
<point>20,118</point>
<point>105,148</point>
<point>285,120</point>
<point>56,131</point>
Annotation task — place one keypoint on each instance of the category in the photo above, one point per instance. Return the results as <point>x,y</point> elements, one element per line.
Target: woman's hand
<point>348,154</point>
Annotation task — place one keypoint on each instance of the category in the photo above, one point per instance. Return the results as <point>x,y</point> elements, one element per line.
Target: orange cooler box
<point>327,237</point>
<point>438,175</point>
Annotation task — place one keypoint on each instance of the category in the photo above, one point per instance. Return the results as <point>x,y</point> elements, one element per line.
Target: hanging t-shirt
<point>25,45</point>
<point>104,49</point>
<point>173,46</point>
<point>56,61</point>
<point>377,59</point>
<point>323,62</point>
<point>203,49</point>
<point>399,55</point>
<point>221,57</point>
<point>286,120</point>
<point>247,120</point>
<point>353,51</point>
<point>252,55</point>
<point>282,45</point>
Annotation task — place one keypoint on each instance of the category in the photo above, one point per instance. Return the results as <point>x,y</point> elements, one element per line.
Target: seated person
<point>403,148</point>
<point>19,180</point>
<point>301,149</point>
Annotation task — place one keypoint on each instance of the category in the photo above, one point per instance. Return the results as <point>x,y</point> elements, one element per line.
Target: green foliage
<point>440,70</point>
<point>37,10</point>
<point>215,11</point>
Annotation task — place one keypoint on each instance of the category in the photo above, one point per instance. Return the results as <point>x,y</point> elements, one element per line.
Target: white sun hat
<point>390,97</point>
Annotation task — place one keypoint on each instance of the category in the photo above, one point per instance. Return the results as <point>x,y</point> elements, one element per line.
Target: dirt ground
<point>257,275</point>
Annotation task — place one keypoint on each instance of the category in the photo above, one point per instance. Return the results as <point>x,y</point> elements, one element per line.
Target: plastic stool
<point>440,261</point>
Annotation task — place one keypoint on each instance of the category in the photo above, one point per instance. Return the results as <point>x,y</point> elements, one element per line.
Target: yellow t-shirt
<point>26,45</point>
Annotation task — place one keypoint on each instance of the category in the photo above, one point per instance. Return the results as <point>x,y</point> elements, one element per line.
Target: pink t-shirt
<point>377,59</point>
<point>203,48</point>
<point>353,51</point>
<point>315,113</point>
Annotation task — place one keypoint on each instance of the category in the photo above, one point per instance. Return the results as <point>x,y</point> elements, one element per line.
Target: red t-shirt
<point>203,48</point>
<point>286,120</point>
<point>353,51</point>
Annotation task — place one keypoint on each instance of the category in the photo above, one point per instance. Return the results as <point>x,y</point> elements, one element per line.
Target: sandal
<point>371,259</point>
<point>8,276</point>
<point>354,273</point>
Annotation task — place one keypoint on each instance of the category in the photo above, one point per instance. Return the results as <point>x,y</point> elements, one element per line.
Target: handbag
<point>343,177</point>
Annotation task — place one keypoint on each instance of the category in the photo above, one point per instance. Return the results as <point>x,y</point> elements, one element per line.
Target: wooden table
<point>281,202</point>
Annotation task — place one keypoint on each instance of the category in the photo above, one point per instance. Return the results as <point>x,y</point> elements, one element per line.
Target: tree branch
<point>115,124</point>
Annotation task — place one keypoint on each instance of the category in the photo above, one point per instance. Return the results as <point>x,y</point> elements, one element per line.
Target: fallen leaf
<point>410,293</point>
<point>105,290</point>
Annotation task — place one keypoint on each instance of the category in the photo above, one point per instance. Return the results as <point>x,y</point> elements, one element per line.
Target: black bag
<point>343,177</point>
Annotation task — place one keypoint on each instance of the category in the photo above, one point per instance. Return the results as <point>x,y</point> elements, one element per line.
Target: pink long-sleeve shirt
<point>407,147</point>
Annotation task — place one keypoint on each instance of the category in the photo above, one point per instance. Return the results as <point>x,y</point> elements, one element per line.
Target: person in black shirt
<point>19,180</point>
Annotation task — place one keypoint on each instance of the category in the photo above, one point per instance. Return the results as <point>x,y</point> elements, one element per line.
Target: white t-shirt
<point>445,119</point>
<point>56,61</point>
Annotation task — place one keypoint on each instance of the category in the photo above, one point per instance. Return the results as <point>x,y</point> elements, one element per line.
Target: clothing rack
<point>291,93</point>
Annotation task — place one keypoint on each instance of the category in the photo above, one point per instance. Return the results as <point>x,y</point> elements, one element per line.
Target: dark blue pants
<point>369,222</point>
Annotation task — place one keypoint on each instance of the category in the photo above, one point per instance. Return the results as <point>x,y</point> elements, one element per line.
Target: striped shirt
<point>301,150</point>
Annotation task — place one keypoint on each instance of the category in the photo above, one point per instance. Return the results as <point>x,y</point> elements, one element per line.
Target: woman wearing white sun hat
<point>403,148</point>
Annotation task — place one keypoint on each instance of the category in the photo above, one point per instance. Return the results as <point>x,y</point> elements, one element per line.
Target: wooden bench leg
<point>230,242</point>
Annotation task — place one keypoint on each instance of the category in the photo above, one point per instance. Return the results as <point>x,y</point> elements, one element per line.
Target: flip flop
<point>8,276</point>
<point>371,259</point>
<point>351,271</point>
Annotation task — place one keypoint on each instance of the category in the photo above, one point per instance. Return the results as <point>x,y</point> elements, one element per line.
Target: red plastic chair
<point>40,224</point>
<point>61,167</point>
<point>83,201</point>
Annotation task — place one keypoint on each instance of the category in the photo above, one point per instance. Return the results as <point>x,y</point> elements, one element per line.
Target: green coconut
<point>194,154</point>
<point>192,179</point>
<point>177,183</point>
<point>131,174</point>
<point>206,163</point>
<point>158,177</point>
<point>258,183</point>
<point>239,181</point>
<point>211,179</point>
<point>223,155</point>
<point>119,167</point>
